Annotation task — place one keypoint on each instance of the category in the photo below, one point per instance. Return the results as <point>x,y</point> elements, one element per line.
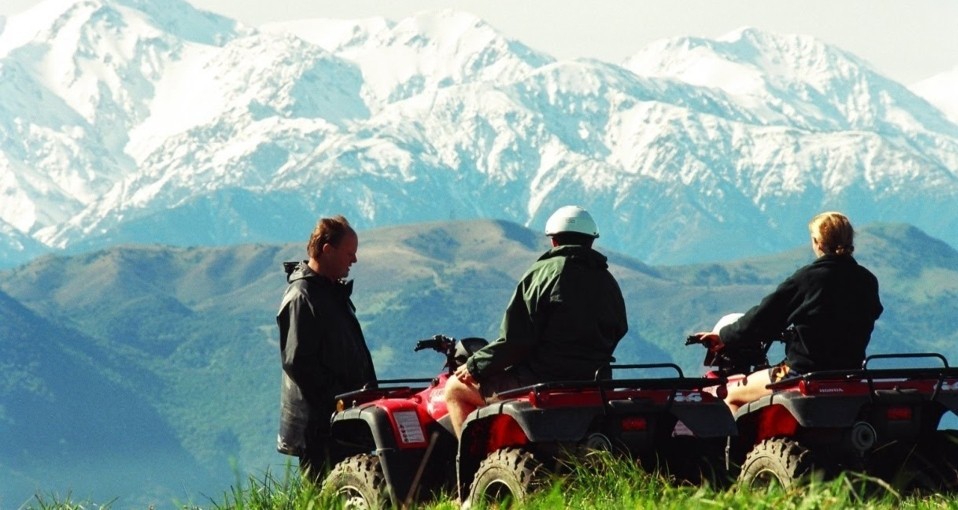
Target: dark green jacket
<point>563,322</point>
<point>833,304</point>
<point>323,354</point>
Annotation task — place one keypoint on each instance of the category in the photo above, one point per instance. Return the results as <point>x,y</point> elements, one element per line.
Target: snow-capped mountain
<point>418,54</point>
<point>122,122</point>
<point>939,90</point>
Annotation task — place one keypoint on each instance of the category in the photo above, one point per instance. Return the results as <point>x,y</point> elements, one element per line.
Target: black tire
<point>929,467</point>
<point>358,482</point>
<point>945,460</point>
<point>776,461</point>
<point>697,461</point>
<point>506,478</point>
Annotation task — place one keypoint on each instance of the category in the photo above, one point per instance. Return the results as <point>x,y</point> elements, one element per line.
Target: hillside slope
<point>188,335</point>
<point>72,418</point>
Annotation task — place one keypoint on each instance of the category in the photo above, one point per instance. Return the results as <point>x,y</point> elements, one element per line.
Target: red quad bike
<point>392,440</point>
<point>882,422</point>
<point>508,449</point>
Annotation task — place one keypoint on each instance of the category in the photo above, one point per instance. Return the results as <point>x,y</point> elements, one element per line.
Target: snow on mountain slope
<point>250,79</point>
<point>792,79</point>
<point>52,162</point>
<point>77,77</point>
<point>420,53</point>
<point>185,128</point>
<point>15,245</point>
<point>939,90</point>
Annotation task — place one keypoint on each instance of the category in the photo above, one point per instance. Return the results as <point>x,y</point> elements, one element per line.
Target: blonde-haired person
<point>832,304</point>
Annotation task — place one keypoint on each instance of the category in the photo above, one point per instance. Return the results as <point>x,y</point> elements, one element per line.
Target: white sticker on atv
<point>692,396</point>
<point>409,429</point>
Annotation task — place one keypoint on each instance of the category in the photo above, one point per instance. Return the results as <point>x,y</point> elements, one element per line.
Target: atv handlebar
<point>738,359</point>
<point>443,345</point>
<point>456,351</point>
<point>439,343</point>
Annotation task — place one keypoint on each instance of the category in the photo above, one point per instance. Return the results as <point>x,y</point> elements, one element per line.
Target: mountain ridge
<point>232,125</point>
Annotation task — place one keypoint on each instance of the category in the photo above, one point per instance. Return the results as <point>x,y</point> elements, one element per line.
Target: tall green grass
<point>602,483</point>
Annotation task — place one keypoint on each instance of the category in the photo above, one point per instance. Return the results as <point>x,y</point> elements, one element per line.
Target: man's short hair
<point>327,231</point>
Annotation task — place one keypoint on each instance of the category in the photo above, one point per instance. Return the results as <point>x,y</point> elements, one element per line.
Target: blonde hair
<point>834,233</point>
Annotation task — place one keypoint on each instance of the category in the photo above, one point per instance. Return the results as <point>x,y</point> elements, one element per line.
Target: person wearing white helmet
<point>572,219</point>
<point>563,322</point>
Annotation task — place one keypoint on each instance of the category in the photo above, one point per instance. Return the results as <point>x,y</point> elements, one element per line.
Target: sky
<point>907,40</point>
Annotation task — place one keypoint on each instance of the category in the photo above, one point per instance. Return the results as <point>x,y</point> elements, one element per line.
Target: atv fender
<point>809,412</point>
<point>540,425</point>
<point>354,428</point>
<point>706,420</point>
<point>514,423</point>
<point>815,411</point>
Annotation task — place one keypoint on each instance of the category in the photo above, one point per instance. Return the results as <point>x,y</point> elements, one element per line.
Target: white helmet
<point>726,320</point>
<point>571,218</point>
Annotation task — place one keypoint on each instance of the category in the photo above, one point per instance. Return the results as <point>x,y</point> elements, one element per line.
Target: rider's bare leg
<point>752,387</point>
<point>461,399</point>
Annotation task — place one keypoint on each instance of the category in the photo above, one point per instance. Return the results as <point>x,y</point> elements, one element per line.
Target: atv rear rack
<point>605,392</point>
<point>879,380</point>
<point>376,390</point>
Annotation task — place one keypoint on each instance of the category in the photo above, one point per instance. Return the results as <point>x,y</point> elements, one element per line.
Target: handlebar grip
<point>437,343</point>
<point>694,339</point>
<point>429,343</point>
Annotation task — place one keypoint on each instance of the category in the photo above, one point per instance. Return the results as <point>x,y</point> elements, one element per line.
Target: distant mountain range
<point>125,122</point>
<point>939,91</point>
<point>151,373</point>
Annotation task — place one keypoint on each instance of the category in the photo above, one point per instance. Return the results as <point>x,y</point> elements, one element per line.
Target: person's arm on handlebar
<point>711,340</point>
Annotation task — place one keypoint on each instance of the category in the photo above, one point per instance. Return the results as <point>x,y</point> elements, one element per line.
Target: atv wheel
<point>506,478</point>
<point>945,464</point>
<point>777,461</point>
<point>358,481</point>
<point>928,467</point>
<point>695,460</point>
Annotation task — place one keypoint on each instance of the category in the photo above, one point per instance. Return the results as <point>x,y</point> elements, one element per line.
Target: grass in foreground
<point>602,483</point>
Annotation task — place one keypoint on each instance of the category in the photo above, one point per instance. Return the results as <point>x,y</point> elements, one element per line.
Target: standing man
<point>321,343</point>
<point>564,320</point>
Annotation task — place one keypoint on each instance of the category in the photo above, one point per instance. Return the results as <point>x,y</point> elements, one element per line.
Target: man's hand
<point>462,373</point>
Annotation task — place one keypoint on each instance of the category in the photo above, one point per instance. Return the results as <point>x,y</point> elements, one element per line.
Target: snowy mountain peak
<point>794,80</point>
<point>939,90</point>
<point>748,60</point>
<point>333,35</point>
<point>175,17</point>
<point>125,121</point>
<point>420,54</point>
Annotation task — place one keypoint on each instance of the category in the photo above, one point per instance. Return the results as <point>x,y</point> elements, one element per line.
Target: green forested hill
<point>69,412</point>
<point>183,340</point>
